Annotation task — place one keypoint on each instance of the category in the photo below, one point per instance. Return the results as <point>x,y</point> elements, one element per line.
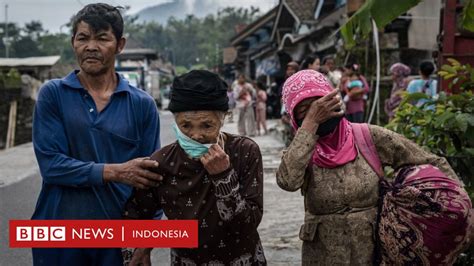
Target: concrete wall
<point>424,27</point>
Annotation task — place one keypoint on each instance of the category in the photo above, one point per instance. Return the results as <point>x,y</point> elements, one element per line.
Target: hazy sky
<point>54,13</point>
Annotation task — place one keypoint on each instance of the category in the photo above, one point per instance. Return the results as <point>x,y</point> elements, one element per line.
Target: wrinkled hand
<point>215,161</point>
<point>322,109</point>
<point>141,257</point>
<point>137,173</point>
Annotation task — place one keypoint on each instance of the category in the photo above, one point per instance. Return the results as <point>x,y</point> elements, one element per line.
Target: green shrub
<point>445,126</point>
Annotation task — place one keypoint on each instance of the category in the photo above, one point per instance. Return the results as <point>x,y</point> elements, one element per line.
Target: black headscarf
<point>198,90</point>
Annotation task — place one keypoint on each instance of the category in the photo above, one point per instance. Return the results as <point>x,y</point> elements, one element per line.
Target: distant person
<point>348,71</point>
<point>243,92</point>
<point>288,133</point>
<point>261,108</point>
<point>232,104</point>
<point>331,71</point>
<point>426,84</point>
<point>354,99</point>
<point>92,132</point>
<point>399,74</point>
<point>292,68</point>
<point>311,62</point>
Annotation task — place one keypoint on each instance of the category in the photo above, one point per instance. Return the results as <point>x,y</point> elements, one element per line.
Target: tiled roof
<point>303,9</point>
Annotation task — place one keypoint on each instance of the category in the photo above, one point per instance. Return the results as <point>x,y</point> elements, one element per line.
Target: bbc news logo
<point>40,233</point>
<point>103,233</point>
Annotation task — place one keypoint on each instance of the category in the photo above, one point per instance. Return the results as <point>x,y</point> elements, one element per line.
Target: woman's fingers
<point>337,113</point>
<point>335,99</point>
<point>330,96</point>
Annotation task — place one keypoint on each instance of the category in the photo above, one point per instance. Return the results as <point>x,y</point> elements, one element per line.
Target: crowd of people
<point>250,98</point>
<point>94,167</point>
<point>355,89</point>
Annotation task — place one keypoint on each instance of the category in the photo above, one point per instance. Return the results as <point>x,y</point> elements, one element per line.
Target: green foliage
<point>382,11</point>
<point>468,15</point>
<point>33,40</point>
<point>191,40</point>
<point>459,75</point>
<point>180,70</point>
<point>445,125</point>
<point>10,80</point>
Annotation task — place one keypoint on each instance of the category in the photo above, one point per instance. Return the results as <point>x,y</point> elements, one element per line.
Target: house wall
<point>424,27</point>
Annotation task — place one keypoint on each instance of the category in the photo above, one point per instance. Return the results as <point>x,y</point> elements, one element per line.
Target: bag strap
<point>426,86</point>
<point>366,146</point>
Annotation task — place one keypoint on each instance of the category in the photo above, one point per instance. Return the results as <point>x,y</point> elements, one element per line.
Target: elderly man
<point>91,133</point>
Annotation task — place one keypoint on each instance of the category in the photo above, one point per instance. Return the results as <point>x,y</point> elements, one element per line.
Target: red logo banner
<point>103,233</point>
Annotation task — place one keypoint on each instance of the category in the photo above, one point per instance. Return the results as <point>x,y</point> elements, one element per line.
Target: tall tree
<point>34,29</point>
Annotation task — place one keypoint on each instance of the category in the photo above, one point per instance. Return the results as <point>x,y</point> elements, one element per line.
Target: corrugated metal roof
<point>137,54</point>
<point>139,51</point>
<point>30,61</point>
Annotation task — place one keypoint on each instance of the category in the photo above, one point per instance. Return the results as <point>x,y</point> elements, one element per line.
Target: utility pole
<point>7,41</point>
<point>217,57</point>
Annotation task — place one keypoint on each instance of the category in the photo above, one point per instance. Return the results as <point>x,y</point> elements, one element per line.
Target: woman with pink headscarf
<point>341,189</point>
<point>399,74</point>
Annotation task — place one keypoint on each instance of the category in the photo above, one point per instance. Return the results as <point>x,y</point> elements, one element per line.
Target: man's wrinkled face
<point>95,51</point>
<point>201,126</point>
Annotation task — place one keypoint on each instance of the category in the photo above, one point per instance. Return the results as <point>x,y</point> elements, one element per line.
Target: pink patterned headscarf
<point>335,149</point>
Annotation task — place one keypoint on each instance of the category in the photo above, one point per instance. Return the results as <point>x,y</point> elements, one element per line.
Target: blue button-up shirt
<point>73,141</point>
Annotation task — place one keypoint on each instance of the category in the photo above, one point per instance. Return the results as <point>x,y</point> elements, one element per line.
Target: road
<point>18,200</point>
<point>283,211</point>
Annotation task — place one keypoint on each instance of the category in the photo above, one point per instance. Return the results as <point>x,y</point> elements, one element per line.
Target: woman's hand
<point>215,161</point>
<point>141,257</point>
<point>322,109</point>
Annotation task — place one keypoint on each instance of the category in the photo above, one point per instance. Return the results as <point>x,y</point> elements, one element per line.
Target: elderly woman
<point>341,189</point>
<point>208,175</point>
<point>399,74</point>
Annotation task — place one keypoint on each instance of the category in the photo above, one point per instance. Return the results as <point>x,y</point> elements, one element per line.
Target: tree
<point>33,29</point>
<point>190,41</point>
<point>384,12</point>
<point>25,46</point>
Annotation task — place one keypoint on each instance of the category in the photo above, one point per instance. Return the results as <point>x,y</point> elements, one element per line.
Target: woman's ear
<point>223,116</point>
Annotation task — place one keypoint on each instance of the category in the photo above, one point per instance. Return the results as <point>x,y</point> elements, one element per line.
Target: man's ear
<point>72,41</point>
<point>121,45</point>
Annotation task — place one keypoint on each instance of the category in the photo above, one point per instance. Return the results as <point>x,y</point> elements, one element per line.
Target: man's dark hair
<point>427,68</point>
<point>100,16</point>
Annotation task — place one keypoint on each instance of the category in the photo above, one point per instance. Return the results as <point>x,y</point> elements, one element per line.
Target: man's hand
<point>215,161</point>
<point>322,109</point>
<point>137,173</point>
<point>141,257</point>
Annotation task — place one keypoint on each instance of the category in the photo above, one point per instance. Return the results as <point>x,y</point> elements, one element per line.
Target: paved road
<point>17,200</point>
